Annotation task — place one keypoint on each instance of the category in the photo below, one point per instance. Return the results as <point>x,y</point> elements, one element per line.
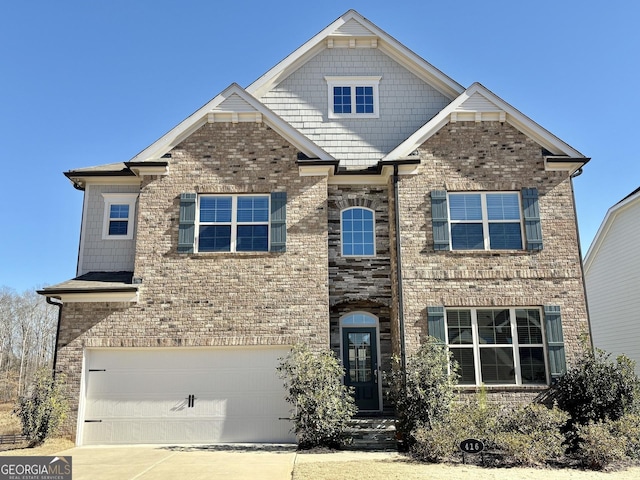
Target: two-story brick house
<point>353,197</point>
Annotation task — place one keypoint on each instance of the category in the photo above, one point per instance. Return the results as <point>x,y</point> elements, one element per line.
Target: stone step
<point>372,433</point>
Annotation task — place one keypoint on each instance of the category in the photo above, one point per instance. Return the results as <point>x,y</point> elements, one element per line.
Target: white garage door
<point>184,395</point>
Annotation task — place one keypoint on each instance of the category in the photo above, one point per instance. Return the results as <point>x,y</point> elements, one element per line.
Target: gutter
<point>58,304</point>
<point>403,350</point>
<point>584,283</point>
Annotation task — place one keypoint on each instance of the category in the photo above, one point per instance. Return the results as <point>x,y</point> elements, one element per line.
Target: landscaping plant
<point>43,409</point>
<point>423,392</point>
<point>322,405</point>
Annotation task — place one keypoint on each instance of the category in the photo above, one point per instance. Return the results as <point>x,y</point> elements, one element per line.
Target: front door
<point>360,360</point>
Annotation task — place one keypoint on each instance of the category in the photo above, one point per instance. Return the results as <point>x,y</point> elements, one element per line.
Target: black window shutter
<point>187,228</point>
<point>435,323</point>
<point>555,341</point>
<point>279,221</point>
<point>532,227</point>
<point>440,220</point>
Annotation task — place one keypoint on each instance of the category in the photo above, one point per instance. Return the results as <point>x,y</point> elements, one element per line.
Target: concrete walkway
<point>165,462</point>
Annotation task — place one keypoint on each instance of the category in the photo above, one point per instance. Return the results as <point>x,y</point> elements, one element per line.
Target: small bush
<point>423,394</point>
<point>531,434</point>
<point>44,408</point>
<point>322,405</point>
<point>598,445</point>
<point>628,427</point>
<point>435,444</point>
<point>597,389</point>
<point>469,418</point>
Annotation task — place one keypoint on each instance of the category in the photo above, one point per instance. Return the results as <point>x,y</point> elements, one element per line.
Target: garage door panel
<point>140,396</point>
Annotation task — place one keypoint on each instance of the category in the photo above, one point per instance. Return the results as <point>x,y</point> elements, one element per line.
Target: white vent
<point>355,29</point>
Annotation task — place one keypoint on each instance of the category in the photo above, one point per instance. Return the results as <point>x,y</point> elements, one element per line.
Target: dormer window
<point>353,97</point>
<point>119,213</point>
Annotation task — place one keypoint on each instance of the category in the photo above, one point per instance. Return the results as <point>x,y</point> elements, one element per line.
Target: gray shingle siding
<point>406,103</point>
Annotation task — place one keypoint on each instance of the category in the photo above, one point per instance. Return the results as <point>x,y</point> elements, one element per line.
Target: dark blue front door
<point>360,360</point>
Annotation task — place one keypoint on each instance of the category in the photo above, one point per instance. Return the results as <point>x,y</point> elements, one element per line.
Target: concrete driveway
<point>155,462</point>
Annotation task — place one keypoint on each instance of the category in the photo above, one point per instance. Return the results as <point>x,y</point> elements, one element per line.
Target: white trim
<point>382,40</point>
<point>185,128</point>
<point>96,297</point>
<point>514,345</point>
<point>353,82</point>
<point>110,199</point>
<point>376,326</point>
<point>605,226</point>
<point>83,231</point>
<point>373,214</point>
<point>82,399</point>
<point>511,116</point>
<point>364,179</point>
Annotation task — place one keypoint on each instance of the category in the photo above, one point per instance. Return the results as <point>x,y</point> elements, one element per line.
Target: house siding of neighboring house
<point>167,338</point>
<point>612,277</point>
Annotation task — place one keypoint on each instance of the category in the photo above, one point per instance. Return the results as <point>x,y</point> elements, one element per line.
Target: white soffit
<point>234,105</point>
<point>352,30</point>
<point>480,104</point>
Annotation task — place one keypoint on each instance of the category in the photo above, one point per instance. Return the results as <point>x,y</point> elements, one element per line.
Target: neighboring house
<point>612,277</point>
<point>353,197</point>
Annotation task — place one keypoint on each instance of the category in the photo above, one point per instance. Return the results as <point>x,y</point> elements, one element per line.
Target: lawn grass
<point>404,469</point>
<point>9,423</point>
<point>49,447</point>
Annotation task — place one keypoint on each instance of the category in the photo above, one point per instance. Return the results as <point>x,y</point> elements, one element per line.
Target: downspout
<point>584,283</point>
<point>55,347</point>
<point>403,354</point>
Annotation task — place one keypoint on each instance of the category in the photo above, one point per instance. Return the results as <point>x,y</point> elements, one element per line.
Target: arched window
<point>358,232</point>
<point>358,319</point>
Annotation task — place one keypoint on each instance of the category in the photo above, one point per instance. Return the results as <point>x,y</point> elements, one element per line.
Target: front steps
<point>372,434</point>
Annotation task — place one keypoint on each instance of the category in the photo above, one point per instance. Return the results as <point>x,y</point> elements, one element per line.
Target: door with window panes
<point>360,360</point>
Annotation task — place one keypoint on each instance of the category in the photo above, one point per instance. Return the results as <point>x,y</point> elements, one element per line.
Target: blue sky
<point>90,82</point>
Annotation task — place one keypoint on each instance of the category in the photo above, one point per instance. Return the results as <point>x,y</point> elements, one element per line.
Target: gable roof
<point>234,104</point>
<point>605,226</point>
<point>354,29</point>
<point>478,103</point>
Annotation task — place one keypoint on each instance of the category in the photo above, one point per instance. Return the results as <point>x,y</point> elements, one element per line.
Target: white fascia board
<point>201,117</point>
<point>389,45</point>
<point>96,297</point>
<point>355,179</point>
<point>512,116</point>
<point>604,228</point>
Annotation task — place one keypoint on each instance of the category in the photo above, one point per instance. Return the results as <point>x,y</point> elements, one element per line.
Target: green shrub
<point>527,435</point>
<point>628,427</point>
<point>322,405</point>
<point>468,418</point>
<point>44,408</point>
<point>531,434</point>
<point>435,444</point>
<point>597,389</point>
<point>598,445</point>
<point>423,394</point>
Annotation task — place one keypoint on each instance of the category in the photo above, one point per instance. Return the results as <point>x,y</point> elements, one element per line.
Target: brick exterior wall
<point>215,299</point>
<point>468,156</point>
<point>226,299</point>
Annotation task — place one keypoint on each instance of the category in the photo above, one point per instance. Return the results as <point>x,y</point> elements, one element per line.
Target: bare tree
<point>27,336</point>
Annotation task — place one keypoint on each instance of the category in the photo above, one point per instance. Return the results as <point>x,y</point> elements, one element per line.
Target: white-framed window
<point>119,215</point>
<point>355,97</point>
<point>233,223</point>
<point>497,346</point>
<point>358,232</point>
<point>485,221</point>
